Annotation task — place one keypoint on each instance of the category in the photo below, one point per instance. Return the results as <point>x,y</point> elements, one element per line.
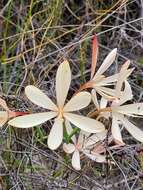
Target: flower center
<point>78,146</point>
<point>60,111</point>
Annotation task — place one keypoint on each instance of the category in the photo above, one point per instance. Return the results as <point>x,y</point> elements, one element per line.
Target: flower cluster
<point>109,94</point>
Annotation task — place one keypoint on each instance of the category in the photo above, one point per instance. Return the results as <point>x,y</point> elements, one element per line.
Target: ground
<point>35,37</point>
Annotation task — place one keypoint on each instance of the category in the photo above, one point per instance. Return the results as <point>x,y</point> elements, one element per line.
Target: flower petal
<point>39,98</point>
<point>130,109</point>
<point>90,141</point>
<point>31,120</point>
<point>76,160</point>
<point>107,62</point>
<point>127,93</point>
<point>63,80</point>
<point>68,148</point>
<point>123,74</point>
<point>85,123</point>
<point>3,117</point>
<point>80,140</point>
<point>56,134</point>
<point>107,90</point>
<point>96,157</point>
<point>79,101</point>
<point>115,129</point>
<point>109,80</point>
<point>132,129</point>
<point>104,94</point>
<point>103,103</point>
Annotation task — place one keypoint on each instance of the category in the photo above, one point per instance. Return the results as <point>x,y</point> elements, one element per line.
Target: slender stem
<point>15,114</point>
<point>95,113</point>
<point>86,85</point>
<point>75,130</point>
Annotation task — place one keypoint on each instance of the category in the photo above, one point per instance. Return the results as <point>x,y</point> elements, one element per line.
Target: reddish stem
<point>94,55</point>
<point>17,113</point>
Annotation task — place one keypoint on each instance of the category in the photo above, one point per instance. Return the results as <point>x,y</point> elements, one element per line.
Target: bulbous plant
<point>61,111</point>
<point>114,92</point>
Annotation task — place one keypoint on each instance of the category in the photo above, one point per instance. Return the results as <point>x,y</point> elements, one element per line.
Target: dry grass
<point>35,36</point>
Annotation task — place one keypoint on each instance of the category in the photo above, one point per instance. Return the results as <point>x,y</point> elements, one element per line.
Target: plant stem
<point>95,113</point>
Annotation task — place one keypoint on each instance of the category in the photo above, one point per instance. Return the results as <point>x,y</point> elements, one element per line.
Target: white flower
<point>84,144</point>
<point>118,116</point>
<point>101,83</point>
<point>98,80</point>
<point>119,113</point>
<point>61,111</point>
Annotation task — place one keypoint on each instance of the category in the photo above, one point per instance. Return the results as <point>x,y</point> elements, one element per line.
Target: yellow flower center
<point>60,111</point>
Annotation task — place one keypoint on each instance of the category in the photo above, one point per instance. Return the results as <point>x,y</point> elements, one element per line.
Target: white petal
<point>130,109</point>
<point>107,91</point>
<point>107,62</point>
<point>104,94</point>
<point>56,134</point>
<point>76,160</point>
<point>68,148</point>
<point>94,98</point>
<point>103,103</point>
<point>90,141</point>
<point>85,123</point>
<point>109,80</point>
<point>115,129</point>
<point>121,77</point>
<point>63,80</point>
<point>132,129</point>
<point>39,98</point>
<point>123,74</point>
<point>127,93</point>
<point>81,137</point>
<point>70,130</point>
<point>79,101</point>
<point>31,120</point>
<point>96,157</point>
<point>95,138</point>
<point>3,118</point>
<point>97,79</point>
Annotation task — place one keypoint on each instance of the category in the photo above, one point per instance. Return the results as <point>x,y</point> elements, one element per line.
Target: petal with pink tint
<point>68,148</point>
<point>76,160</point>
